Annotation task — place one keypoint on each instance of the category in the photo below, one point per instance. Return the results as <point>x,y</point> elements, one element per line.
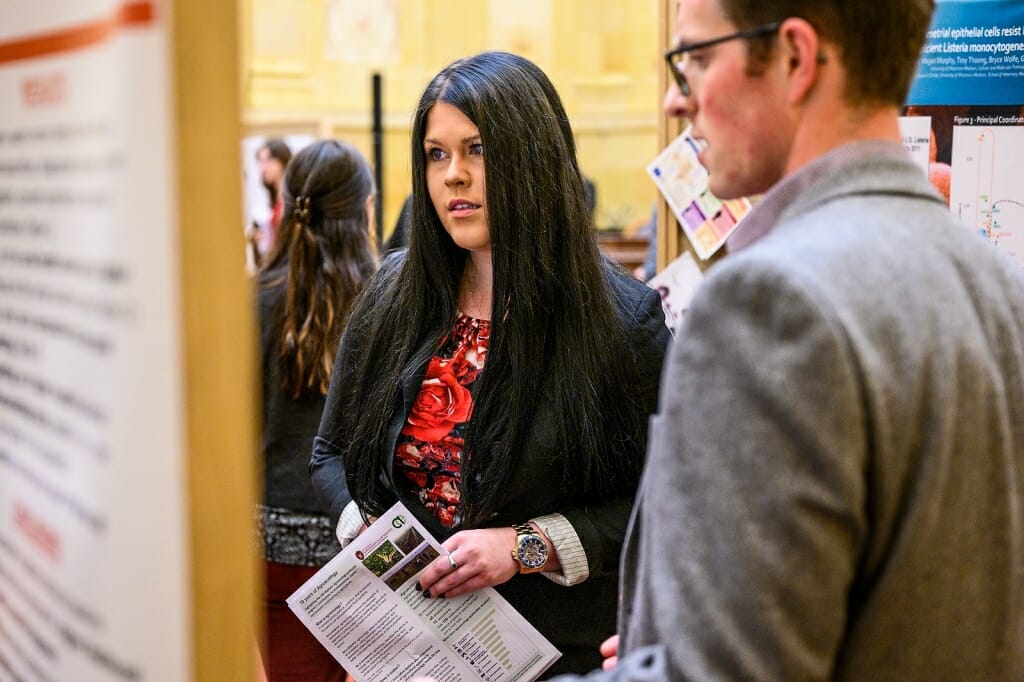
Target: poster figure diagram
<point>985,192</point>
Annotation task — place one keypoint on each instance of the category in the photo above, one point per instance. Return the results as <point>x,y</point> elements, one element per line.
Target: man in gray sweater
<point>835,481</point>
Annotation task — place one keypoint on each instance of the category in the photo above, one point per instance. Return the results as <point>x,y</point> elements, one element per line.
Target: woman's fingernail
<point>418,587</point>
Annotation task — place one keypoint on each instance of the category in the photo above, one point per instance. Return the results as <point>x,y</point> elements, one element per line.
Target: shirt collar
<point>769,208</point>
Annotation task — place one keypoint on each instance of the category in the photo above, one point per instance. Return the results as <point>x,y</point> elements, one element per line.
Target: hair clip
<point>302,213</point>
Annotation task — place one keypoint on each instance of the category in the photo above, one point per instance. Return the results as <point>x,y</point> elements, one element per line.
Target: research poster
<point>93,570</point>
<point>970,85</point>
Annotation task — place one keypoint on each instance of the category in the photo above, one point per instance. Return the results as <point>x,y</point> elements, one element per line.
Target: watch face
<point>532,551</point>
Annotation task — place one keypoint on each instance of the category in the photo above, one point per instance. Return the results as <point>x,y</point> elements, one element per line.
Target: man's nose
<point>675,103</point>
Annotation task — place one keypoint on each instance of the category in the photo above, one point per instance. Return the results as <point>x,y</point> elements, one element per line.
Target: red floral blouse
<point>429,450</point>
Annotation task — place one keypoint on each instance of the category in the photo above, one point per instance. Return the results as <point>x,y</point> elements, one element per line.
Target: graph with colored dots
<point>985,188</point>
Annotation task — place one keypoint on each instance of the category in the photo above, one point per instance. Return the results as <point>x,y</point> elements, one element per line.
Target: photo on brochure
<point>383,558</point>
<point>416,563</point>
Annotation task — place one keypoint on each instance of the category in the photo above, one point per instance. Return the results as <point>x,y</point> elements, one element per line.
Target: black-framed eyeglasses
<point>676,58</point>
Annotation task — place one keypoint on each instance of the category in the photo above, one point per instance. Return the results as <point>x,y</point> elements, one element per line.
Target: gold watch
<point>530,550</point>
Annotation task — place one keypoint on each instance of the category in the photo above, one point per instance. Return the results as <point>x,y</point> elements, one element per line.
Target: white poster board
<point>916,133</point>
<point>93,565</point>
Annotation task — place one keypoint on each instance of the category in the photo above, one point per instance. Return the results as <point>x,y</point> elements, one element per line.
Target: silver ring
<point>451,562</point>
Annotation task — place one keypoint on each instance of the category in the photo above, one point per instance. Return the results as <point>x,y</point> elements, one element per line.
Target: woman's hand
<point>610,651</point>
<point>483,558</point>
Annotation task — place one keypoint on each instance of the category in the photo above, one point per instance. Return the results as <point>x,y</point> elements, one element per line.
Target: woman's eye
<point>436,154</point>
<point>477,149</point>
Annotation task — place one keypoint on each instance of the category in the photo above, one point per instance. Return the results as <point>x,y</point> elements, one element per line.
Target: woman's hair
<point>323,255</point>
<point>278,149</point>
<point>553,325</point>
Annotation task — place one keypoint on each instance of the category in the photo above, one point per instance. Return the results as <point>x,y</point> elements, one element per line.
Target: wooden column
<point>221,392</point>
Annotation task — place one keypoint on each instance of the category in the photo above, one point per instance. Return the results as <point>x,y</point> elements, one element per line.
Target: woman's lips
<point>460,208</point>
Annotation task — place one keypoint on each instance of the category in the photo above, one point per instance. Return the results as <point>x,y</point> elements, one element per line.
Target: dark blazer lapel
<point>405,398</point>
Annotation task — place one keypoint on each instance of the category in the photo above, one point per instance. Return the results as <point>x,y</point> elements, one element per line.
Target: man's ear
<point>801,57</point>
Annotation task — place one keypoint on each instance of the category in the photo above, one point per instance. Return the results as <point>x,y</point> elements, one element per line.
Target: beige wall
<point>306,69</point>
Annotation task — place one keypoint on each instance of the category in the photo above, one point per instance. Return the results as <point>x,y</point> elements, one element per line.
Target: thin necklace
<point>470,288</point>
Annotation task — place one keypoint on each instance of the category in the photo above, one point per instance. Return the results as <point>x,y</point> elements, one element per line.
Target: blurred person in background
<point>273,157</point>
<point>322,259</point>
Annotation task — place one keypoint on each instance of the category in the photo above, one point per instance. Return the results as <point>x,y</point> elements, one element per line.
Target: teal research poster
<point>970,84</point>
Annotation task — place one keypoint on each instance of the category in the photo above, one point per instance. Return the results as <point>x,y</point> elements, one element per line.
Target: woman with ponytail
<point>497,376</point>
<point>317,266</point>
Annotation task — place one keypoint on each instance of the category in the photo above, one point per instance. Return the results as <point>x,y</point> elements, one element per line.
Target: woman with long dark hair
<point>323,257</point>
<point>497,376</point>
<point>273,157</point>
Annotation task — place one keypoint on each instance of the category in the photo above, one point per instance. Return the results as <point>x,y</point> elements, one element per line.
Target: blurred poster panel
<point>361,31</point>
<point>970,83</point>
<point>93,580</point>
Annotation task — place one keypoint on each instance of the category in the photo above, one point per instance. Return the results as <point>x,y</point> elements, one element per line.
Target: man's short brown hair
<point>879,41</point>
